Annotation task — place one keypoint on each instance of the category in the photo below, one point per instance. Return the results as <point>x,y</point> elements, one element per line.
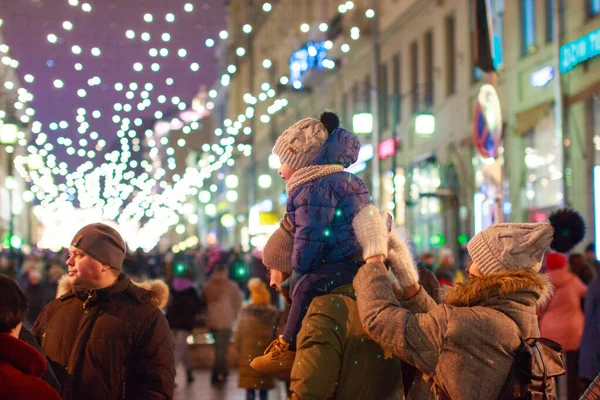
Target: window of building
<point>414,75</point>
<point>549,21</point>
<point>476,74</point>
<point>550,18</point>
<point>429,86</point>
<point>528,27</point>
<point>392,196</point>
<point>355,99</point>
<point>450,54</point>
<point>425,209</point>
<point>384,94</point>
<point>596,128</point>
<point>397,79</point>
<point>346,119</point>
<point>594,7</point>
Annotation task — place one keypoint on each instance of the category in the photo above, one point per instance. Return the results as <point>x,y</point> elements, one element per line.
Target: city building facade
<point>401,75</point>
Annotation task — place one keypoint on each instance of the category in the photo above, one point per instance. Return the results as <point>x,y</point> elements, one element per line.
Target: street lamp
<point>425,124</point>
<point>362,123</point>
<point>8,137</point>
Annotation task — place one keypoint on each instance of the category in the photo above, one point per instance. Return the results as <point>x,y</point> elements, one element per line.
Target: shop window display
<point>426,218</point>
<point>394,202</point>
<point>543,180</point>
<point>596,128</point>
<point>488,181</point>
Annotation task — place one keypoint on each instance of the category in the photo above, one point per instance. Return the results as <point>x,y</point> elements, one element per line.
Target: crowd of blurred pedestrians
<point>214,282</point>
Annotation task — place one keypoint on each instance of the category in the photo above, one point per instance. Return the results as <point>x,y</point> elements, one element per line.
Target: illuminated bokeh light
<point>158,210</point>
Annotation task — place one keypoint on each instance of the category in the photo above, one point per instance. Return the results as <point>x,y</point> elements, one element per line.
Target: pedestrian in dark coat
<point>589,355</point>
<point>464,347</point>
<point>36,296</point>
<point>254,333</point>
<point>562,318</point>
<point>105,335</point>
<point>21,365</point>
<point>223,300</point>
<point>580,267</point>
<point>181,314</point>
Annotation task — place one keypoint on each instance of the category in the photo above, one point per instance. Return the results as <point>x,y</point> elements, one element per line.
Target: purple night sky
<point>27,24</point>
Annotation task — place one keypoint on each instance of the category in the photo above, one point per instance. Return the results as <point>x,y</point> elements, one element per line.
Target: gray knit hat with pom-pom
<point>512,246</point>
<point>301,142</point>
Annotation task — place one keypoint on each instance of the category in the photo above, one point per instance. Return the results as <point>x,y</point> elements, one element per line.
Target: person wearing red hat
<point>561,319</point>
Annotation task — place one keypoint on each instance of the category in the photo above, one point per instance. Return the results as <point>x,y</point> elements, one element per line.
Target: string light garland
<point>117,199</point>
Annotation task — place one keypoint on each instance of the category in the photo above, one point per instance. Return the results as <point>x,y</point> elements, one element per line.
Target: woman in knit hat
<point>464,346</point>
<point>322,202</point>
<point>562,319</point>
<point>254,333</point>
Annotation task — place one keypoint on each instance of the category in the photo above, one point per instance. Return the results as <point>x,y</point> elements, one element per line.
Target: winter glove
<point>371,232</point>
<point>401,261</point>
<point>290,282</point>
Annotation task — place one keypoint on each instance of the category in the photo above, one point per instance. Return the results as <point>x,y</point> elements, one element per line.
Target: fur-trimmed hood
<point>157,291</point>
<point>521,285</point>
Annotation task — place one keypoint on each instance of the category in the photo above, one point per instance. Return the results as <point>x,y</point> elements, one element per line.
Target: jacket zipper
<point>85,303</point>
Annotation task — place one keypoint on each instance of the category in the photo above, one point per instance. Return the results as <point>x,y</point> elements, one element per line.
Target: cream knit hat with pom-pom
<point>301,142</point>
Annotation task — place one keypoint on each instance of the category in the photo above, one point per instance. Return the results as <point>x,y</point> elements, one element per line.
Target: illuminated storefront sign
<point>362,123</point>
<point>262,219</point>
<point>387,148</point>
<point>579,50</point>
<point>365,154</point>
<point>542,77</point>
<point>312,55</point>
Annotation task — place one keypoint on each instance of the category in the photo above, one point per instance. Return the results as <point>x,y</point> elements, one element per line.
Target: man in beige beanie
<point>464,347</point>
<point>331,341</point>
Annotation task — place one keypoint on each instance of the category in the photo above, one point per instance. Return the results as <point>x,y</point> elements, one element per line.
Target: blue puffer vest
<point>322,210</point>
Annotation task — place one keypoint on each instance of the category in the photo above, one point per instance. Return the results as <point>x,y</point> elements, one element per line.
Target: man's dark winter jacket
<point>112,343</point>
<point>322,210</point>
<point>21,367</point>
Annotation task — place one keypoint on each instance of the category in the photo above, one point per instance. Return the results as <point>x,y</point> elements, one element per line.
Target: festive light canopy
<point>100,103</point>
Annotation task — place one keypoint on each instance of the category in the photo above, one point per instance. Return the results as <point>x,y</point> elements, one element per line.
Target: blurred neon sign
<point>387,148</point>
<point>579,50</point>
<point>312,55</point>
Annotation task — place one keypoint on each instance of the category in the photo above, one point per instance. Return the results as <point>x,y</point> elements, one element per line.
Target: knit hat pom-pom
<point>255,284</point>
<point>569,229</point>
<point>331,121</point>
